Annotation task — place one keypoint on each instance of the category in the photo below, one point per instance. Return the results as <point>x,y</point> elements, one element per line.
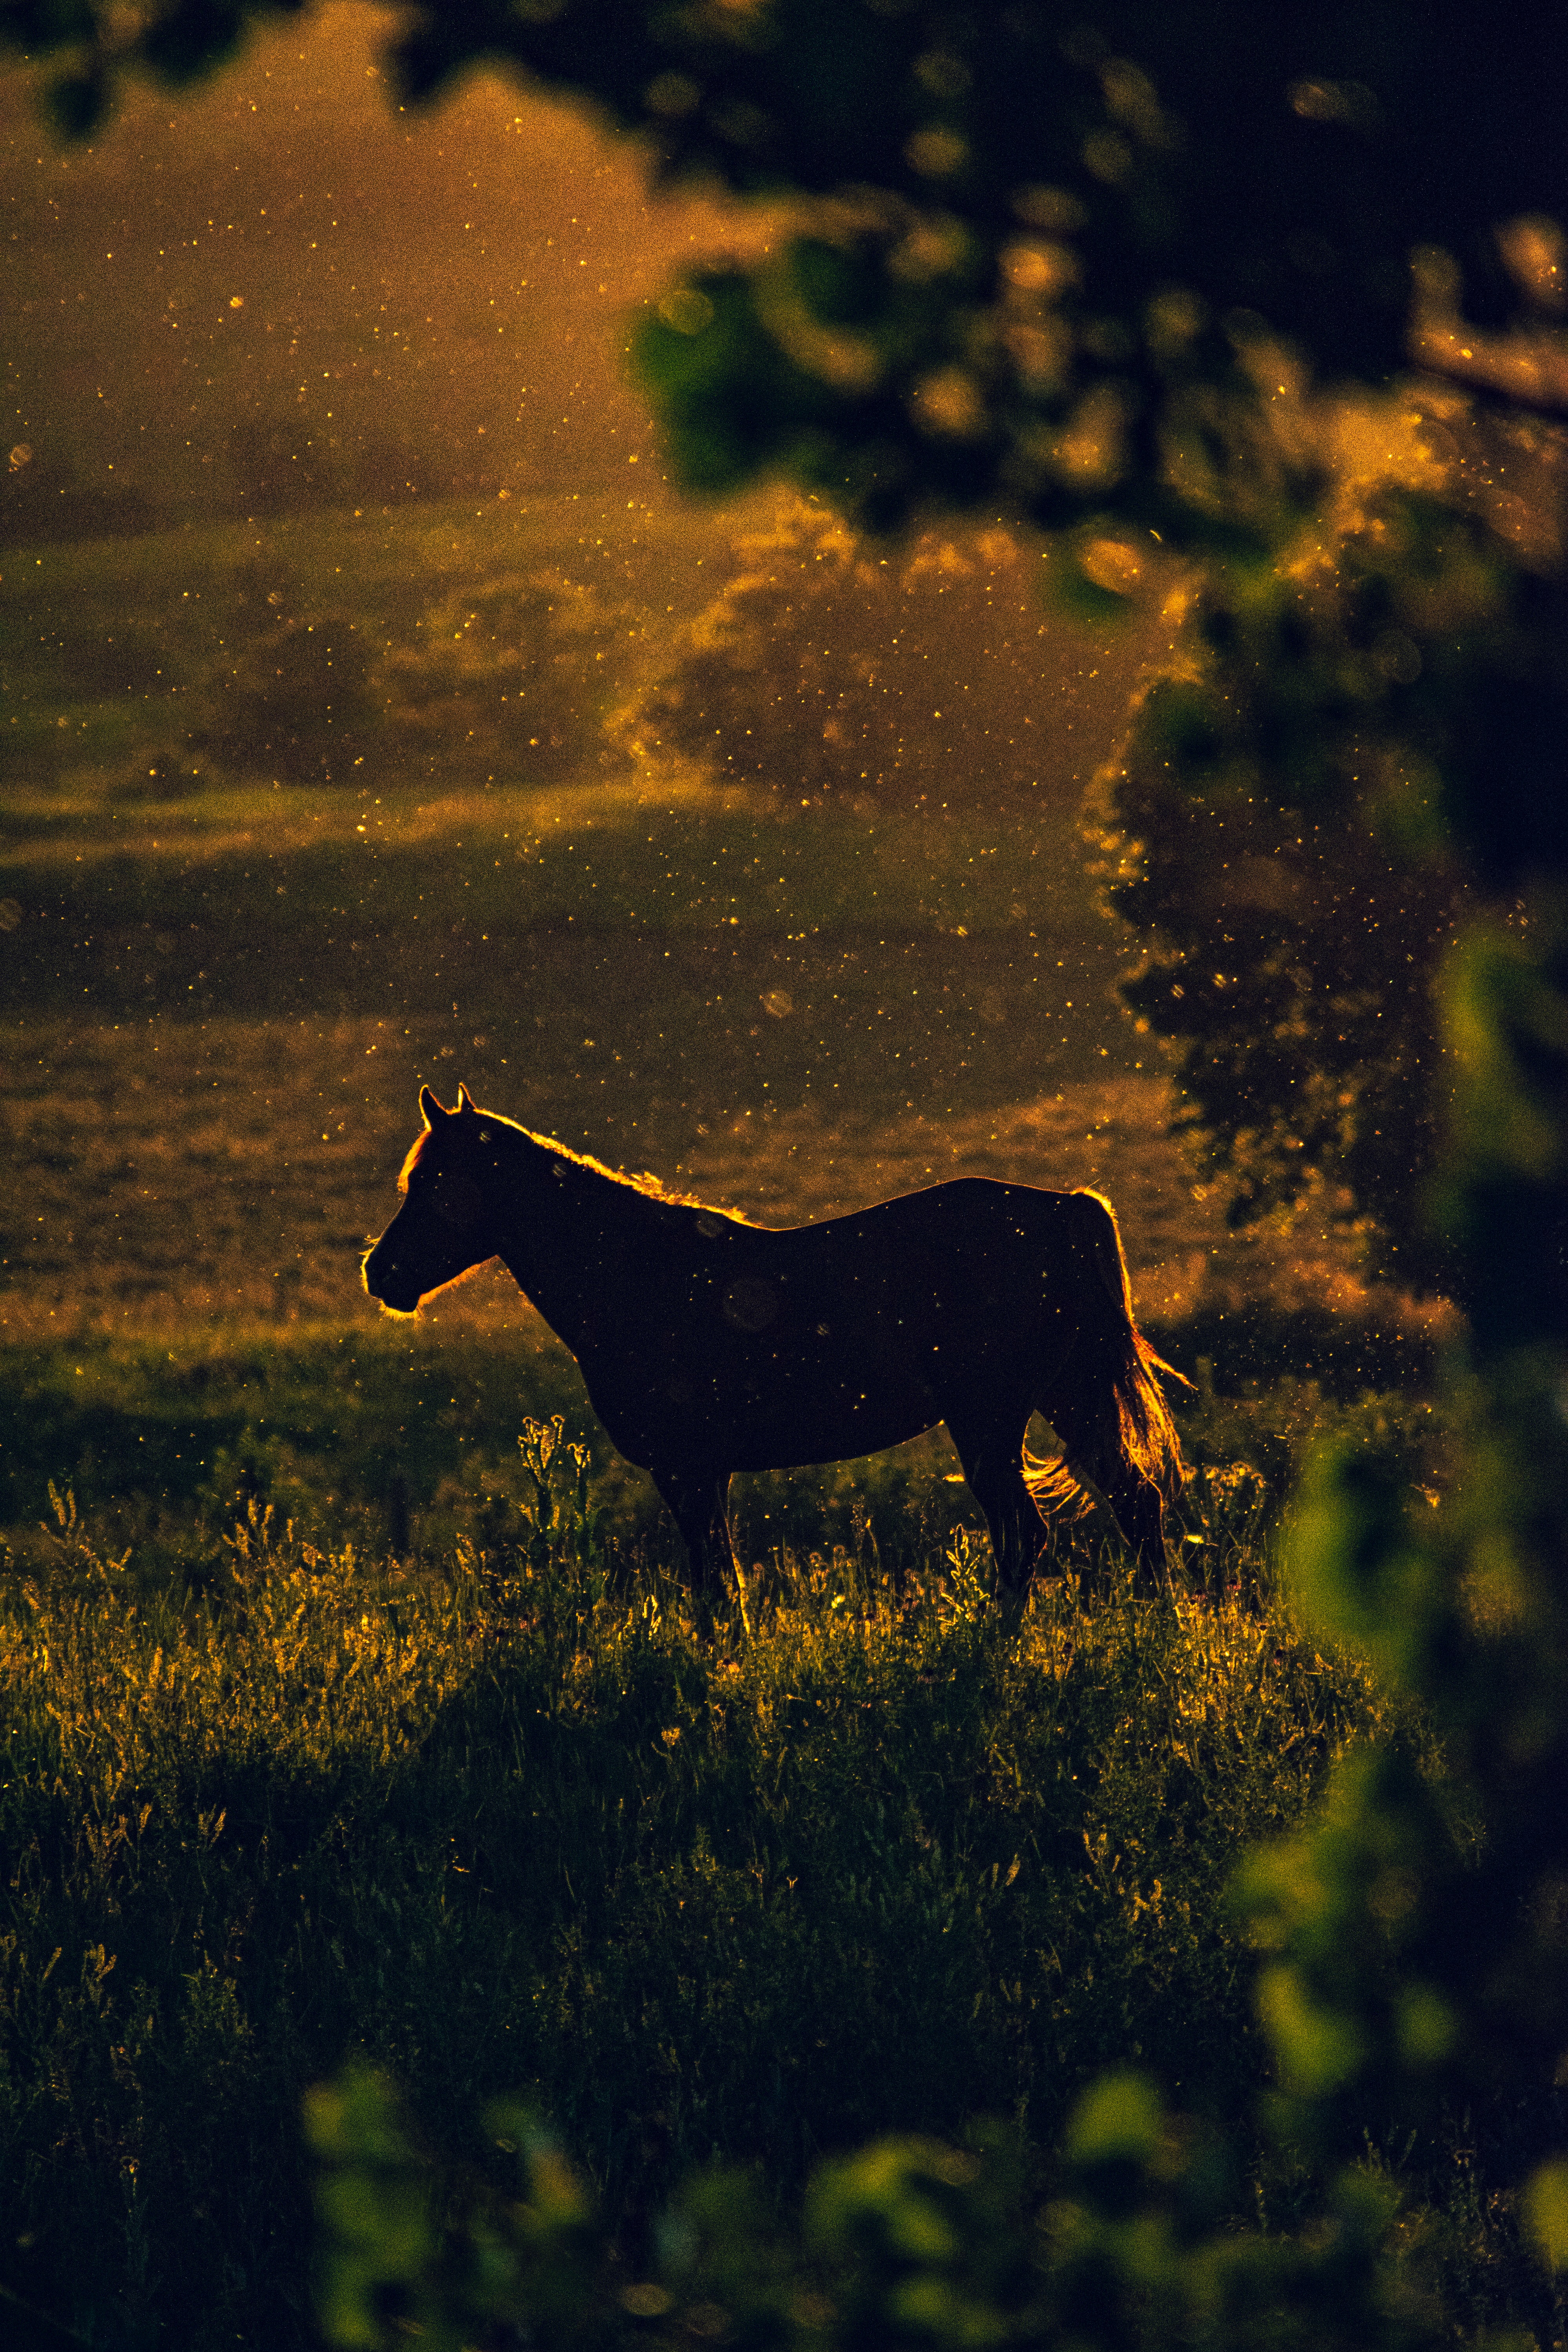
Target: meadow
<point>338,1723</point>
<point>507,1818</point>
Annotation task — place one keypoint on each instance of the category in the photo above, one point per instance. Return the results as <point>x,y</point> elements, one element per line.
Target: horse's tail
<point>1149,1439</point>
<point>1143,1436</point>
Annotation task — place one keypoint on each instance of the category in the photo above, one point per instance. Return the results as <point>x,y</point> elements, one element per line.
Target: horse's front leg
<point>699,1497</point>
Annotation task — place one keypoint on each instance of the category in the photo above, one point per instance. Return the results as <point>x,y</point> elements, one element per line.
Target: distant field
<point>200,954</point>
<point>327,761</point>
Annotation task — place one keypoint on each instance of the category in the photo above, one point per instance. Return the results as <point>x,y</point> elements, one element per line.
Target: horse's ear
<point>430,1109</point>
<point>465,1099</point>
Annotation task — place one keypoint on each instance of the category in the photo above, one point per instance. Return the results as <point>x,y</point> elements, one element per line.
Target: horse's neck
<point>554,1217</point>
<point>530,1208</point>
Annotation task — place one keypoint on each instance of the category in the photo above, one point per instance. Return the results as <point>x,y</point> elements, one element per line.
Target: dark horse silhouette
<point>709,1344</point>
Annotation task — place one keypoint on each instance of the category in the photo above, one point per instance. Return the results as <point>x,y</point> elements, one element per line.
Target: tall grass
<point>510,1819</point>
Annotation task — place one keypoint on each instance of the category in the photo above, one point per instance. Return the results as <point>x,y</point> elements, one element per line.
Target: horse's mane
<point>652,1188</point>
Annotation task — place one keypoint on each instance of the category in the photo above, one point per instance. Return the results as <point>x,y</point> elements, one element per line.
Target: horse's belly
<point>763,1414</point>
<point>852,1426</point>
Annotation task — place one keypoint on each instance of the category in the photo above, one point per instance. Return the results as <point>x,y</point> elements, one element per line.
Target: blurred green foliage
<point>1025,245</point>
<point>922,676</point>
<point>1131,2239</point>
<point>1291,827</point>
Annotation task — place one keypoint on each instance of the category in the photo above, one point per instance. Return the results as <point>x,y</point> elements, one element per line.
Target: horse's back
<point>975,1233</point>
<point>970,1252</point>
<point>971,1218</point>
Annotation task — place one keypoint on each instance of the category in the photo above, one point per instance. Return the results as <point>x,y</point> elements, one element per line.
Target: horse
<point>710,1344</point>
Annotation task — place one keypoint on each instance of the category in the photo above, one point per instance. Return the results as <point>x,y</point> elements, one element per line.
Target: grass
<point>377,1434</point>
<point>509,1819</point>
<point>405,1436</point>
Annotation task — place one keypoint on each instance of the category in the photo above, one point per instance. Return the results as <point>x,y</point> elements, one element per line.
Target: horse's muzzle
<point>388,1285</point>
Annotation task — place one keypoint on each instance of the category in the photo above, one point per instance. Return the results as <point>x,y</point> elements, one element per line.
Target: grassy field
<point>319,1742</point>
<point>510,1819</point>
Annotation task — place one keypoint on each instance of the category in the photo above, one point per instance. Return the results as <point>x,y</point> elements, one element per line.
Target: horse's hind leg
<point>698,1497</point>
<point>991,1448</point>
<point>1140,1511</point>
<point>1095,1454</point>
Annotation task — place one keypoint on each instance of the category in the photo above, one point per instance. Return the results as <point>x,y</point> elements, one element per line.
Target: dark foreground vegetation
<point>498,1817</point>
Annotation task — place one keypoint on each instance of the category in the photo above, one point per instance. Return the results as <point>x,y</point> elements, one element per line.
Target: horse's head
<point>445,1225</point>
